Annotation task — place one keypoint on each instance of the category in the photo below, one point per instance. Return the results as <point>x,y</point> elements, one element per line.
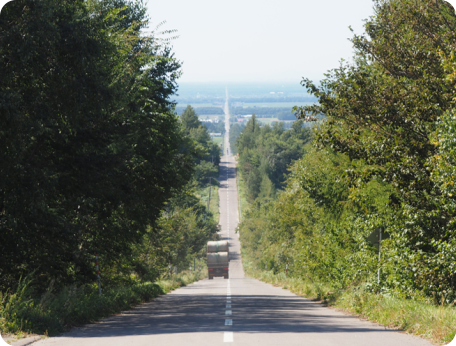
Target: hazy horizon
<point>260,41</point>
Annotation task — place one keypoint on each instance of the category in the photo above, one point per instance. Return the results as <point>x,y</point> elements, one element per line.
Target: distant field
<point>198,105</point>
<point>270,120</point>
<point>267,120</point>
<point>211,116</point>
<point>218,140</point>
<point>276,104</point>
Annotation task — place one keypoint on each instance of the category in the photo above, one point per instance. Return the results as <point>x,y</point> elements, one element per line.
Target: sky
<point>260,40</point>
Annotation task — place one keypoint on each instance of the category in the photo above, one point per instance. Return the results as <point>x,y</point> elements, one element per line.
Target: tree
<point>382,112</point>
<point>190,119</point>
<point>90,147</point>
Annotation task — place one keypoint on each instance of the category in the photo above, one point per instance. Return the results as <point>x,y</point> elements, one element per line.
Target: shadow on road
<point>254,314</point>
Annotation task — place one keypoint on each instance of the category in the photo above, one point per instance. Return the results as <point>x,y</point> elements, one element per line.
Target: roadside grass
<point>243,205</point>
<point>436,323</point>
<point>203,193</point>
<point>214,204</point>
<point>53,312</point>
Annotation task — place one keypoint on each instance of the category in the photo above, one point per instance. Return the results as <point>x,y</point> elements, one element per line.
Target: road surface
<point>241,310</point>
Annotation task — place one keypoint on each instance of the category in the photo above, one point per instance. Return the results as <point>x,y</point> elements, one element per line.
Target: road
<point>239,310</point>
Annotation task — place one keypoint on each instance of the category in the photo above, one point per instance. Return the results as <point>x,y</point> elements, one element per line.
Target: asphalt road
<point>239,310</point>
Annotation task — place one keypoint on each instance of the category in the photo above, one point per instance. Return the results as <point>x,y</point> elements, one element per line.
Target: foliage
<point>91,149</point>
<point>383,112</point>
<point>208,157</point>
<point>215,127</point>
<point>265,154</point>
<point>235,131</point>
<point>179,236</point>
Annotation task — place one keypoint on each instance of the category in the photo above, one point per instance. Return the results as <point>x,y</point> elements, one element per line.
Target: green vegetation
<point>57,311</point>
<point>382,157</point>
<point>426,320</point>
<point>90,169</point>
<point>218,141</point>
<point>211,189</point>
<point>265,154</point>
<point>86,167</point>
<point>235,131</point>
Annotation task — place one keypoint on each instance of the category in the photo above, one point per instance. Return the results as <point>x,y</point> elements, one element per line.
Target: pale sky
<point>260,41</point>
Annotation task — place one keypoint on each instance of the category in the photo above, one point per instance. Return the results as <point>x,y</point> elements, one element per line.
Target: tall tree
<point>89,144</point>
<point>189,119</point>
<point>382,111</point>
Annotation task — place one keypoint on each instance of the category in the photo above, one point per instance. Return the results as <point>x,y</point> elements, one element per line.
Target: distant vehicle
<point>218,258</point>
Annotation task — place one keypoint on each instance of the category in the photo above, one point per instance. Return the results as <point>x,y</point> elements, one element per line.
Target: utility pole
<point>376,238</point>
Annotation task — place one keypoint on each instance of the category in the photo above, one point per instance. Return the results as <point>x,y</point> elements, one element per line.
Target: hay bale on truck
<point>218,258</point>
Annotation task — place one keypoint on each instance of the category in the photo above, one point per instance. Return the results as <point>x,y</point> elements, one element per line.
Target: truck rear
<point>218,258</point>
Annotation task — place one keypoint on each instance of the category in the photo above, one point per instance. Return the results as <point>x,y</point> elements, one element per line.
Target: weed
<point>53,313</point>
<point>437,323</point>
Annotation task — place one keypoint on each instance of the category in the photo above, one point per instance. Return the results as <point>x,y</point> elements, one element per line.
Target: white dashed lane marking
<point>228,337</point>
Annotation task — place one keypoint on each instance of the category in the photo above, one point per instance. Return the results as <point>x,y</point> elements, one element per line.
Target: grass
<point>435,323</point>
<point>243,205</point>
<point>214,202</point>
<point>53,313</point>
<point>218,140</point>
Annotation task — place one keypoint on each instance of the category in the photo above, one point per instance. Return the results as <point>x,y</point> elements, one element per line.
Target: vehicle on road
<point>218,257</point>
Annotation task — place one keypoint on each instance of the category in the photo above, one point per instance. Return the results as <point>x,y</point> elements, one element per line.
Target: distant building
<point>215,134</point>
<point>214,121</point>
<point>240,120</point>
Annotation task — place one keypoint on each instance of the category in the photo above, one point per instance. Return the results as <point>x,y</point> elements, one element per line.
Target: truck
<point>218,258</point>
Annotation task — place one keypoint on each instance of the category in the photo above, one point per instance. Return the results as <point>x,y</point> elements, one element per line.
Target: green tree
<point>89,144</point>
<point>190,119</point>
<point>382,112</point>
